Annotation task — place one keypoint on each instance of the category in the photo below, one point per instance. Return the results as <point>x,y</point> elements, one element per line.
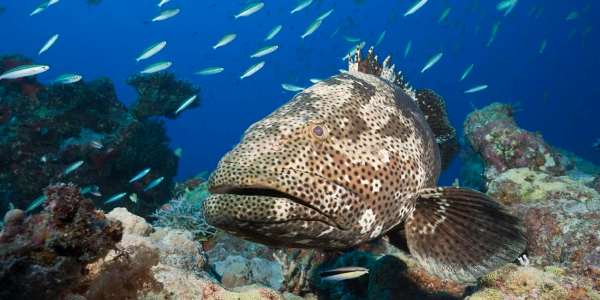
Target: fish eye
<point>319,131</point>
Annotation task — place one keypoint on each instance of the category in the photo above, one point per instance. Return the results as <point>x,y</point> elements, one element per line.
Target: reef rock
<point>523,282</point>
<point>163,263</point>
<point>44,256</point>
<point>493,133</point>
<point>46,128</point>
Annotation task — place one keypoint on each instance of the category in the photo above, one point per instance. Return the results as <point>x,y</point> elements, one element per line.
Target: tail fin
<point>434,109</point>
<point>462,234</point>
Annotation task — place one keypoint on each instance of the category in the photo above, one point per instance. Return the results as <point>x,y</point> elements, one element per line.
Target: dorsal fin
<point>431,104</point>
<point>434,108</point>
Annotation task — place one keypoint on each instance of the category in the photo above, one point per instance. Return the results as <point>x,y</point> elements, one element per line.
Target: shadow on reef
<point>45,129</point>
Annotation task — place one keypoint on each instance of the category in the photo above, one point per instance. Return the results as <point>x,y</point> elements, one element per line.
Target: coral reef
<point>523,282</point>
<point>160,94</point>
<point>494,134</point>
<point>166,264</point>
<point>44,256</point>
<point>44,129</point>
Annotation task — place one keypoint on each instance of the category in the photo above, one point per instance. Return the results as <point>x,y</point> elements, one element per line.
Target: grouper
<point>354,158</point>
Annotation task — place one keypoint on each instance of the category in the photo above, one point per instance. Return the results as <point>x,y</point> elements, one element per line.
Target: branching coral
<point>186,214</point>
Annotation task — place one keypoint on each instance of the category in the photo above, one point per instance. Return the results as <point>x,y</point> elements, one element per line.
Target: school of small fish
<point>505,7</point>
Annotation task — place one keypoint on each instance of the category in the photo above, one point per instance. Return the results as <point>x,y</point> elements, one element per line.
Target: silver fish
<point>264,51</point>
<point>115,198</point>
<point>48,44</point>
<point>226,39</point>
<point>154,183</point>
<point>432,61</point>
<point>476,89</point>
<point>312,28</point>
<point>157,67</point>
<point>273,32</point>
<point>140,175</point>
<point>72,167</point>
<point>151,50</point>
<point>166,14</point>
<point>24,71</point>
<point>466,72</point>
<point>210,71</point>
<point>301,5</point>
<point>250,9</point>
<point>253,69</point>
<point>344,273</point>
<point>186,103</point>
<point>36,203</point>
<point>415,7</point>
<point>291,87</point>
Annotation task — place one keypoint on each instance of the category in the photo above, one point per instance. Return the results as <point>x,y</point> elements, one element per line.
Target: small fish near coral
<point>351,159</point>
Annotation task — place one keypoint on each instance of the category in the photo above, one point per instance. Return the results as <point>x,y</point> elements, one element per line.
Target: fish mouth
<point>264,193</point>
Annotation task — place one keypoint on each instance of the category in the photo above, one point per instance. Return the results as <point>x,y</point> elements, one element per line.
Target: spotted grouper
<point>351,159</point>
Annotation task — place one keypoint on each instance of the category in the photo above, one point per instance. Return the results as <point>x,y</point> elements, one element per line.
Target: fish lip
<point>268,191</point>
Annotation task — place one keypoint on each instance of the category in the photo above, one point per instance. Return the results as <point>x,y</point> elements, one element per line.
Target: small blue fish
<point>139,175</point>
<point>36,203</point>
<point>72,167</point>
<point>116,197</point>
<point>90,189</point>
<point>154,183</point>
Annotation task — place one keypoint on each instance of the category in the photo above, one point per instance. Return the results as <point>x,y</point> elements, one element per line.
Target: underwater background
<point>555,89</point>
<point>528,131</point>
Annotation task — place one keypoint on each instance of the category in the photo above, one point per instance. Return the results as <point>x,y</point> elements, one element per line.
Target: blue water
<point>558,90</point>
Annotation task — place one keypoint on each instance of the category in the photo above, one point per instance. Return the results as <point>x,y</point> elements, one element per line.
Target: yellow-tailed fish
<point>24,71</point>
<point>466,72</point>
<point>315,80</point>
<point>250,9</point>
<point>415,7</point>
<point>291,87</point>
<point>154,183</point>
<point>157,67</point>
<point>226,39</point>
<point>264,51</point>
<point>432,61</point>
<point>380,38</point>
<point>344,273</point>
<point>273,32</point>
<point>140,175</point>
<point>48,44</point>
<point>493,34</point>
<point>312,28</point>
<point>72,167</point>
<point>476,89</point>
<point>166,14</point>
<point>36,203</point>
<point>163,2</point>
<point>210,71</point>
<point>301,5</point>
<point>186,103</point>
<point>253,69</point>
<point>67,78</point>
<point>407,48</point>
<point>152,50</point>
<point>115,198</point>
<point>325,15</point>
<point>543,46</point>
<point>444,14</point>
